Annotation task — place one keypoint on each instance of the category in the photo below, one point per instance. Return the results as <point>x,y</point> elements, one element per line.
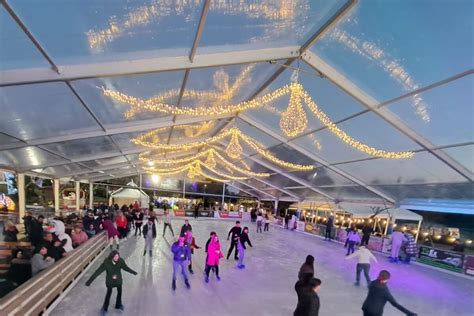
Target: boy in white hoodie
<point>364,256</point>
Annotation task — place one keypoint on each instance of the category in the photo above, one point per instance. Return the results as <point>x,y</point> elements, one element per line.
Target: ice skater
<point>266,222</point>
<point>191,241</point>
<point>242,239</point>
<point>235,232</point>
<point>113,266</point>
<point>329,226</point>
<point>308,299</point>
<point>411,250</point>
<point>149,232</point>
<point>259,222</point>
<point>378,296</point>
<point>112,232</point>
<point>307,270</point>
<point>364,256</point>
<point>214,254</point>
<point>167,222</point>
<point>181,256</point>
<point>122,223</point>
<point>353,238</point>
<point>397,240</point>
<point>138,218</point>
<point>185,228</point>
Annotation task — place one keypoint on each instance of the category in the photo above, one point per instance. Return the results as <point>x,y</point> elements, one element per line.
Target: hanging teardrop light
<point>234,150</point>
<point>293,121</point>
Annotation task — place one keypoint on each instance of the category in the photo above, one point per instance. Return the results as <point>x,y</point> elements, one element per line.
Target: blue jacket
<point>180,253</point>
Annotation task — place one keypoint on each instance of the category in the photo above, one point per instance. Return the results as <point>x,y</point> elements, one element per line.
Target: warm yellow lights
<point>293,121</point>
<point>234,150</point>
<point>233,132</point>
<point>210,160</point>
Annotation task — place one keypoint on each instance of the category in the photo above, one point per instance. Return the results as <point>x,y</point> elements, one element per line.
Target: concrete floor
<point>265,287</point>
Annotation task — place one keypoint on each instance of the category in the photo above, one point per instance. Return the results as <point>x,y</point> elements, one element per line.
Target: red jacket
<point>121,222</point>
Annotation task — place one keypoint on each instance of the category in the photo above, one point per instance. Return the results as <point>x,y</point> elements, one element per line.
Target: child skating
<point>214,254</point>
<point>149,232</point>
<point>191,241</point>
<point>112,232</point>
<point>244,238</point>
<point>113,266</point>
<point>181,257</point>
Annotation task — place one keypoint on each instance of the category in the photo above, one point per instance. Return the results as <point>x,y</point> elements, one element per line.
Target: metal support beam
<point>130,66</point>
<point>372,104</point>
<point>78,195</point>
<point>256,189</point>
<point>91,195</point>
<point>315,158</point>
<point>29,35</point>
<point>243,190</point>
<point>200,28</point>
<point>56,196</point>
<point>132,127</point>
<point>21,196</point>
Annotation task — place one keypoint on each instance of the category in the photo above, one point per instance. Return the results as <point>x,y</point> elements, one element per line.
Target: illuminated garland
<point>233,131</point>
<point>292,123</point>
<point>234,150</point>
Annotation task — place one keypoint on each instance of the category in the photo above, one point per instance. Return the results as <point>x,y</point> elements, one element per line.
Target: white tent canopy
<point>130,194</point>
<point>366,211</point>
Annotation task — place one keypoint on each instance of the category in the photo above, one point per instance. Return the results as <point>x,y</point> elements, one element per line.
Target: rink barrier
<point>34,296</point>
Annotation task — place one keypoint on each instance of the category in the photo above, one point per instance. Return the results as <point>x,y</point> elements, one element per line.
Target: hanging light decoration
<point>210,160</point>
<point>293,121</point>
<point>234,150</point>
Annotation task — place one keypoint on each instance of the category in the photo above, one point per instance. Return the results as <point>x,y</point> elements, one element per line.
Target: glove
<point>88,283</point>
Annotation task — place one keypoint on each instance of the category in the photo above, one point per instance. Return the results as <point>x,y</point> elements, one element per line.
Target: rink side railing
<point>33,297</point>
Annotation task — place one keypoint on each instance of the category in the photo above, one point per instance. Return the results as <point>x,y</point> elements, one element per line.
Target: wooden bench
<point>34,296</point>
<point>6,248</point>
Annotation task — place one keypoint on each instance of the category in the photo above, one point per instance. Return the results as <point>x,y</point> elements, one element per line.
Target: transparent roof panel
<point>123,141</point>
<point>366,128</point>
<point>27,157</point>
<point>7,140</point>
<point>264,139</point>
<point>233,25</point>
<point>322,176</point>
<point>31,109</point>
<point>285,152</point>
<point>83,147</point>
<point>111,30</point>
<point>111,112</point>
<point>462,154</point>
<point>331,100</point>
<point>20,52</point>
<point>193,132</point>
<point>309,194</point>
<point>63,169</point>
<point>223,85</point>
<point>370,45</point>
<point>422,168</point>
<point>104,162</point>
<point>461,191</point>
<point>347,192</point>
<point>450,105</point>
<point>281,181</point>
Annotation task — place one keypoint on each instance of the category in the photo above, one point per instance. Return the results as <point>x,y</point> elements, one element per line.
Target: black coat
<point>235,232</point>
<point>244,238</point>
<point>378,296</point>
<point>184,229</point>
<point>153,230</point>
<point>308,301</point>
<point>113,270</point>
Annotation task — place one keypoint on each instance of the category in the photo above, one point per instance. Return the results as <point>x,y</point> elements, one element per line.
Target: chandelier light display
<point>293,121</point>
<point>235,134</point>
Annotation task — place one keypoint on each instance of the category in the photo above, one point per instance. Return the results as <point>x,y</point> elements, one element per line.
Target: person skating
<point>411,250</point>
<point>307,270</point>
<point>149,232</point>
<point>191,241</point>
<point>186,226</point>
<point>287,220</point>
<point>138,218</point>
<point>235,232</point>
<point>379,295</point>
<point>364,256</point>
<point>366,232</point>
<point>181,256</point>
<point>352,239</point>
<point>122,223</point>
<point>214,254</point>
<point>242,239</point>
<point>112,232</point>
<point>167,222</point>
<point>397,240</point>
<point>259,222</point>
<point>329,225</point>
<point>308,299</point>
<point>113,266</point>
<point>266,222</point>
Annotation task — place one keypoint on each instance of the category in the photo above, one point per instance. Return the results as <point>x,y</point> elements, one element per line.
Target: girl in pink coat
<point>112,232</point>
<point>214,254</point>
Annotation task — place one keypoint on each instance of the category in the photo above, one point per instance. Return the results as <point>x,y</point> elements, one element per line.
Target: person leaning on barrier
<point>40,260</point>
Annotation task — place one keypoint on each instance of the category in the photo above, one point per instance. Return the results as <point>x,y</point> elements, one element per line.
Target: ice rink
<point>265,287</point>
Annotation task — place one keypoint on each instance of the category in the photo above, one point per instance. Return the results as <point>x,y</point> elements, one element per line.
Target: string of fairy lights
<point>293,121</point>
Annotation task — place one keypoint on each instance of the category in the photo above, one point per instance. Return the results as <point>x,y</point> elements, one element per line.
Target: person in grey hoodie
<point>40,261</point>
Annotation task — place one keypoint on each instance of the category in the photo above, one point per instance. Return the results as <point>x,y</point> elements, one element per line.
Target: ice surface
<point>265,287</point>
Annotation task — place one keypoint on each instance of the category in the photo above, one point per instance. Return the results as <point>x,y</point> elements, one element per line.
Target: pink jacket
<point>110,228</point>
<point>214,253</point>
<point>78,239</point>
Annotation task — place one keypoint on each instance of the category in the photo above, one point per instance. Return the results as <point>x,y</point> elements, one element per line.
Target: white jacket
<point>363,255</point>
